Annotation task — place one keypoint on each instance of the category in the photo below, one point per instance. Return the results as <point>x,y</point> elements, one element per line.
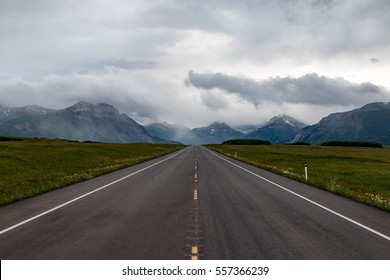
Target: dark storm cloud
<point>308,89</point>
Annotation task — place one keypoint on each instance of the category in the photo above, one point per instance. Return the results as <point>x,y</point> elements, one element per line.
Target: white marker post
<point>305,170</point>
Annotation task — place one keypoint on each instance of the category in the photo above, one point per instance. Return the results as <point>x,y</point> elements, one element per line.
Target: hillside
<point>369,123</point>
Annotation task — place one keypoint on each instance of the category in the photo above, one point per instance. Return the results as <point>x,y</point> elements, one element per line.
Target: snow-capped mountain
<point>280,129</point>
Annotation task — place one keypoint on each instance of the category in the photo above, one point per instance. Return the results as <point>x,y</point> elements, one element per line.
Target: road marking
<point>194,253</point>
<point>308,200</point>
<point>195,225</point>
<point>87,194</point>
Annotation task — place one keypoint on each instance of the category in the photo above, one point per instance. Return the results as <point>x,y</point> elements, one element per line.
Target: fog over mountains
<point>103,123</point>
<point>215,133</point>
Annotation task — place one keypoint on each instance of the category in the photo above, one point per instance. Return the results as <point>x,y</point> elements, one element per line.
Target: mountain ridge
<point>82,121</point>
<point>368,123</point>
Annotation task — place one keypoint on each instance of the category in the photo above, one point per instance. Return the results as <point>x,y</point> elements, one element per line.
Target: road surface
<point>193,204</point>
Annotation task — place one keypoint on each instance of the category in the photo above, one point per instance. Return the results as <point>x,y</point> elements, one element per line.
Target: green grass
<point>34,166</point>
<point>362,174</point>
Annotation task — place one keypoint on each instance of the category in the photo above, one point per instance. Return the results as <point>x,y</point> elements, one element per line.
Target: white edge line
<point>87,194</point>
<point>308,200</point>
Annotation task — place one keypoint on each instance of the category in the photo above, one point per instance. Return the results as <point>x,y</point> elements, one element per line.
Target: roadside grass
<point>34,166</point>
<point>362,174</point>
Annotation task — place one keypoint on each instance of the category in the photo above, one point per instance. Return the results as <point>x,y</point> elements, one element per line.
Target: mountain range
<point>103,123</point>
<point>81,122</point>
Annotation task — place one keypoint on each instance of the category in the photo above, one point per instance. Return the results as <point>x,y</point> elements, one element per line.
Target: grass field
<point>362,174</point>
<point>34,166</point>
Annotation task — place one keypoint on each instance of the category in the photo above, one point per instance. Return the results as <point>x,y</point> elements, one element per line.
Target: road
<point>193,204</point>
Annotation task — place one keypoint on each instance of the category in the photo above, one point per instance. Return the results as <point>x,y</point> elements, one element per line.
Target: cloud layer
<point>137,54</point>
<point>308,89</point>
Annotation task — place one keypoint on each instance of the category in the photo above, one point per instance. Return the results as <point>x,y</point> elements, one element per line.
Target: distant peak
<point>281,116</point>
<point>99,107</point>
<point>216,123</point>
<point>82,105</point>
<point>286,120</point>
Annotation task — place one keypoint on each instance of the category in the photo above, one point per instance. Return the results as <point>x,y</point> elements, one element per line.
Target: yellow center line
<point>194,249</point>
<point>194,252</point>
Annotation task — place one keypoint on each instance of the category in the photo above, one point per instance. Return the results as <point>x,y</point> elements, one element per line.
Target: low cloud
<point>124,89</point>
<point>374,60</point>
<point>107,64</point>
<point>309,89</point>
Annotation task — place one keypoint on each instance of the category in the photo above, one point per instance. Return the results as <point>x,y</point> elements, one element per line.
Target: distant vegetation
<point>247,142</point>
<point>10,138</point>
<point>352,144</point>
<point>34,166</point>
<point>299,144</point>
<point>360,173</point>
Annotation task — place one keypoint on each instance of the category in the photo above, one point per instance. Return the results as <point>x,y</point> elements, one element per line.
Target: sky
<point>194,62</point>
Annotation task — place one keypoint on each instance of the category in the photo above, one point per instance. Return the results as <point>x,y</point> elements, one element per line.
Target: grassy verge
<point>33,166</point>
<point>362,174</point>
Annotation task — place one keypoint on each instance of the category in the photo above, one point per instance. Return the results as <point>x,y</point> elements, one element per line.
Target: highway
<point>193,204</point>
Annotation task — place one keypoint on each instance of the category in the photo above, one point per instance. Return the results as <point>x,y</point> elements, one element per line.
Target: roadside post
<point>305,170</point>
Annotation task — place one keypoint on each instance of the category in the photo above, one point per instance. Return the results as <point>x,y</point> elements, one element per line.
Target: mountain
<point>82,122</point>
<point>215,133</point>
<point>369,123</point>
<point>279,130</point>
<point>166,131</point>
<point>245,129</point>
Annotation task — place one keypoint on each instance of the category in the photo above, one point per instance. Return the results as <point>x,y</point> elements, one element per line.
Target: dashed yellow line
<point>194,250</point>
<point>194,253</point>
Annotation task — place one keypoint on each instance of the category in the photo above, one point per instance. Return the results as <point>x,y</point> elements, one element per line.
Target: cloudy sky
<point>194,62</point>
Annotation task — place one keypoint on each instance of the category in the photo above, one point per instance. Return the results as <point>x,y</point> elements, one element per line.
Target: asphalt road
<point>194,204</point>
